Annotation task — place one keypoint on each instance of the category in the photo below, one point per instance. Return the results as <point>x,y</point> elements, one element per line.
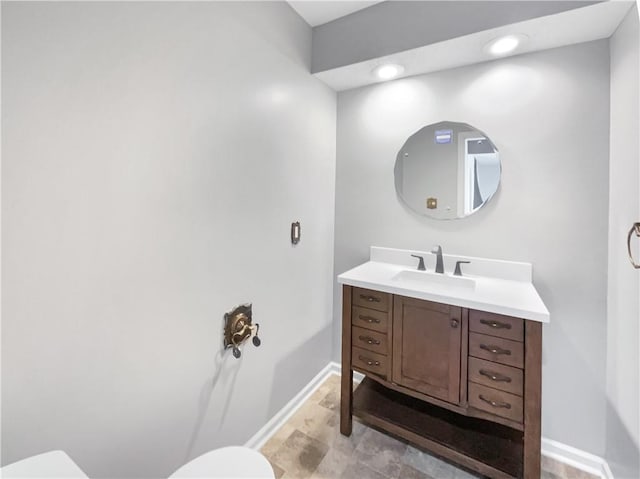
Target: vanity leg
<point>346,390</point>
<point>346,403</point>
<point>533,395</point>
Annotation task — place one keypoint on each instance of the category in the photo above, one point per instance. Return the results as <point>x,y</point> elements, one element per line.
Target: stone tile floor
<point>309,445</point>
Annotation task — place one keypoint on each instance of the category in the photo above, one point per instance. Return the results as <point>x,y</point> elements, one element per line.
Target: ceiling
<point>318,12</point>
<point>567,28</point>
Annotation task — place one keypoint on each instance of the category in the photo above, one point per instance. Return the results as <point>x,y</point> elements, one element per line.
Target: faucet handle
<point>420,263</point>
<point>457,271</point>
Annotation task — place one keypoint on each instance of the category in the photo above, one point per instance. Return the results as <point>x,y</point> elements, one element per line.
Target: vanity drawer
<point>369,318</point>
<point>369,361</point>
<point>371,299</point>
<point>496,376</point>
<point>498,350</point>
<point>370,340</point>
<point>496,325</point>
<point>496,402</point>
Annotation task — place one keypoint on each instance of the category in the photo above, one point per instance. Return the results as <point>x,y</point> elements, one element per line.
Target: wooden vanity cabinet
<point>460,383</point>
<point>427,341</point>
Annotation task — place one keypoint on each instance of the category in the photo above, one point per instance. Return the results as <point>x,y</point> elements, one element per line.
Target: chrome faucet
<point>420,263</point>
<point>437,250</point>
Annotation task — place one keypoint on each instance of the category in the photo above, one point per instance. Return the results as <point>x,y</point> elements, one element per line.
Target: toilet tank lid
<point>48,464</point>
<point>227,462</point>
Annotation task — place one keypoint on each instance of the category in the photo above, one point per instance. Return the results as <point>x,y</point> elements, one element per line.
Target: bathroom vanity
<point>451,364</point>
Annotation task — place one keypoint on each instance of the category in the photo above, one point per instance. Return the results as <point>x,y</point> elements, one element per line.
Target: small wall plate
<point>295,232</point>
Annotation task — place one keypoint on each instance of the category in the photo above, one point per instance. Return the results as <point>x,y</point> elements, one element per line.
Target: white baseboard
<point>553,449</point>
<point>576,458</point>
<point>606,470</point>
<point>271,427</point>
<point>336,369</point>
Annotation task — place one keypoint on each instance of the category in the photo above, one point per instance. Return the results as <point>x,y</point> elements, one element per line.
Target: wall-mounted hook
<point>238,327</point>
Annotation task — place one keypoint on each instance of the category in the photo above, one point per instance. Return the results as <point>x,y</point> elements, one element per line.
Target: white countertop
<point>500,287</point>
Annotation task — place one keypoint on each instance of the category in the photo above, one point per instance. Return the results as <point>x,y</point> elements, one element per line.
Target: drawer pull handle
<point>371,299</point>
<point>500,404</point>
<point>495,349</point>
<point>495,324</point>
<point>369,361</point>
<point>369,340</point>
<point>495,376</point>
<point>369,319</point>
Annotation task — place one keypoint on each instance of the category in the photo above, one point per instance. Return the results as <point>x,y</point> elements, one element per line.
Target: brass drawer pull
<point>495,349</point>
<point>495,376</point>
<point>495,324</point>
<point>369,340</point>
<point>371,299</point>
<point>499,404</point>
<point>369,319</point>
<point>369,361</point>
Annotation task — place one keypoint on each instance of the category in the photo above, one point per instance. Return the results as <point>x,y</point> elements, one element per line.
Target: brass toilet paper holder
<point>238,327</point>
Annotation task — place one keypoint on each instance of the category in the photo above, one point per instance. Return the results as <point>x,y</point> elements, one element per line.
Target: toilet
<point>228,462</point>
<point>49,464</point>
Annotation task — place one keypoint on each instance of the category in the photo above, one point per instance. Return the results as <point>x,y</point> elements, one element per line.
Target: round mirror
<point>447,170</point>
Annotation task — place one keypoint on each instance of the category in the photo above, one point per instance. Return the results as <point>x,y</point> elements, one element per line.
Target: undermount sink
<point>435,278</point>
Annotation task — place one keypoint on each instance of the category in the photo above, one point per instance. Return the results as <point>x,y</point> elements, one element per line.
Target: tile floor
<point>309,445</point>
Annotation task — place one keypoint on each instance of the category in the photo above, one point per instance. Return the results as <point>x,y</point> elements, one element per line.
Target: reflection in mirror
<point>447,170</point>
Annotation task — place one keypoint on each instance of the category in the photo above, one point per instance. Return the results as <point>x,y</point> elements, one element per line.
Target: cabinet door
<point>427,340</point>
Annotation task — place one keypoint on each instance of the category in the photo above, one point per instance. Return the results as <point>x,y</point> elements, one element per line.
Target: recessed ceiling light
<point>388,71</point>
<point>504,45</point>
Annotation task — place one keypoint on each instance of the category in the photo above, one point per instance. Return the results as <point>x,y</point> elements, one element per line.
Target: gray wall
<point>154,155</point>
<point>548,115</point>
<point>392,27</point>
<point>623,297</point>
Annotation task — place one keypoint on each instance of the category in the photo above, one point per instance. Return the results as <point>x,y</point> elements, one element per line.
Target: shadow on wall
<point>624,457</point>
<point>312,355</point>
<point>584,416</point>
<point>227,367</point>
